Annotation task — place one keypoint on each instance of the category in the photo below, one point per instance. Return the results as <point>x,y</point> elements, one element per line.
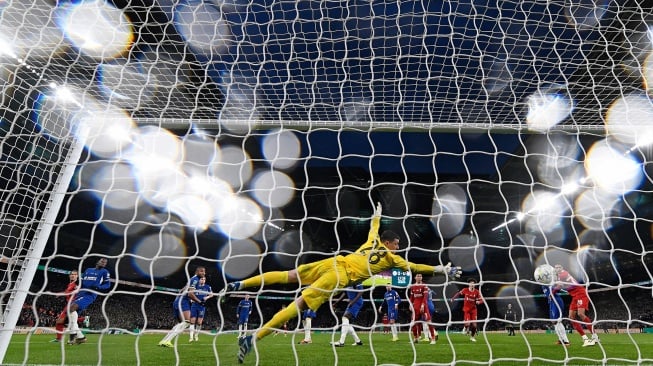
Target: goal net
<point>254,136</point>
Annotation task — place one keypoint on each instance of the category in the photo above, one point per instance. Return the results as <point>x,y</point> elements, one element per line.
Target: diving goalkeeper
<point>324,277</point>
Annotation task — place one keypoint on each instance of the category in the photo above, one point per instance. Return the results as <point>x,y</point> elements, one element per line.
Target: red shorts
<point>579,302</point>
<point>421,304</point>
<point>470,315</point>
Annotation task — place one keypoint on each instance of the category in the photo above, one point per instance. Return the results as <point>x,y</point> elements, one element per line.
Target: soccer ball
<point>545,274</point>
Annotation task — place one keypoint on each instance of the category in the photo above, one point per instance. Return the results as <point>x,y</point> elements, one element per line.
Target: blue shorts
<point>354,309</point>
<point>243,320</point>
<point>83,300</point>
<point>555,311</point>
<point>431,309</point>
<point>176,313</point>
<point>197,310</point>
<point>392,314</point>
<point>182,304</point>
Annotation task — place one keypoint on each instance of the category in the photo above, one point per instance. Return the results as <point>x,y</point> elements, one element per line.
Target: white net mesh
<point>255,136</point>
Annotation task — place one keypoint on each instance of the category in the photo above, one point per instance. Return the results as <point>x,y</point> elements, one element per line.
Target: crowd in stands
<point>138,311</point>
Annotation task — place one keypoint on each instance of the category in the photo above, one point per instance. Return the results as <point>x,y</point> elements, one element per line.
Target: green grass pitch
<point>378,349</point>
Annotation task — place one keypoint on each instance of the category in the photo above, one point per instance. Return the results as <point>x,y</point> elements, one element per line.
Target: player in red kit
<point>418,299</point>
<point>471,298</point>
<point>386,323</point>
<point>579,305</point>
<point>62,318</point>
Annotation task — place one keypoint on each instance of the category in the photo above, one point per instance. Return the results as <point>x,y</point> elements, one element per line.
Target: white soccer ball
<point>545,274</point>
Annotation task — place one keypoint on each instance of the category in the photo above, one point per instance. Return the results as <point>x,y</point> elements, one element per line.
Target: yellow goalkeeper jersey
<point>374,257</point>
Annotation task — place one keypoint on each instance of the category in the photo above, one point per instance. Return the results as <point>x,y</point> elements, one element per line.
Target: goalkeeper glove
<point>452,272</point>
<point>377,211</point>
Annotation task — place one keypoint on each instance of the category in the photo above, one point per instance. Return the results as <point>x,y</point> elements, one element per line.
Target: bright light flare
<point>115,186</point>
<point>548,107</point>
<point>194,211</point>
<point>199,154</point>
<point>648,67</point>
<point>544,211</point>
<point>204,27</point>
<point>158,179</point>
<point>234,167</point>
<point>28,27</point>
<point>288,247</point>
<point>281,149</point>
<point>239,258</point>
<point>630,120</point>
<point>273,188</point>
<point>595,209</point>
<point>7,49</point>
<point>238,217</point>
<point>159,255</point>
<point>96,28</point>
<point>611,169</point>
<point>109,131</point>
<point>466,252</point>
<point>449,210</point>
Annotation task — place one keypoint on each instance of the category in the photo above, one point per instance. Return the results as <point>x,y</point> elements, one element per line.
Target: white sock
<point>72,321</point>
<point>191,330</point>
<point>393,330</point>
<point>425,330</point>
<point>176,330</point>
<point>74,327</point>
<point>352,330</point>
<point>561,332</point>
<point>344,330</point>
<point>307,329</point>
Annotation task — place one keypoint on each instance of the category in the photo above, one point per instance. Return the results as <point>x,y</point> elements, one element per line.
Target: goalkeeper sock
<point>278,320</point>
<point>268,278</point>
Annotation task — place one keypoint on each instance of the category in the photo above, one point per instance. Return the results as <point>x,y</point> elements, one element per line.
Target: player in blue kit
<point>307,318</point>
<point>181,306</point>
<point>93,280</point>
<point>391,300</point>
<point>425,326</point>
<point>243,312</point>
<point>203,292</point>
<point>355,295</point>
<point>556,306</point>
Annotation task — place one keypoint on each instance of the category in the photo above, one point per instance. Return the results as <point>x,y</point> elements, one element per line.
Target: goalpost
<point>255,136</point>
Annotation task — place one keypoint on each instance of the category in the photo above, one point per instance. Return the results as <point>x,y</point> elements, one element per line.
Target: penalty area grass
<point>377,349</point>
